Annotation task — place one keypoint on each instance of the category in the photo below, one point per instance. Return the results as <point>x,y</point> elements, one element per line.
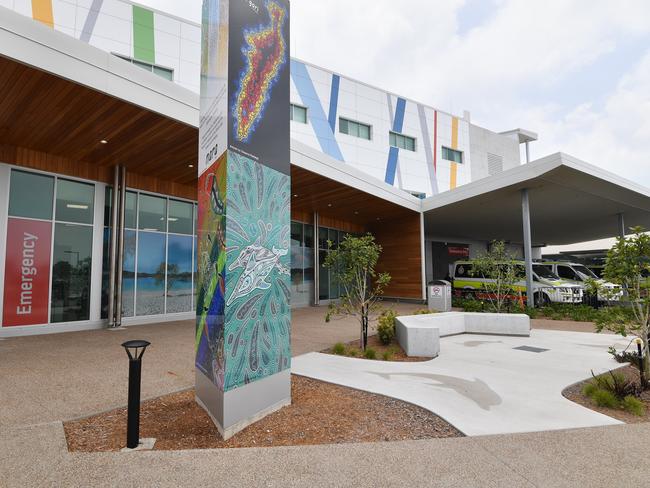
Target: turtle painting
<point>258,263</point>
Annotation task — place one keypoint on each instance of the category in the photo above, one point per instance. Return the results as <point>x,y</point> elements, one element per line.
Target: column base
<point>234,410</point>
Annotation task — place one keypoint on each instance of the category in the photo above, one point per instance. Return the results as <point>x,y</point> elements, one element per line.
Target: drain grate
<point>530,349</point>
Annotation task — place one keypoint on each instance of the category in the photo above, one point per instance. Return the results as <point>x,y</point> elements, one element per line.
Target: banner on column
<point>27,272</point>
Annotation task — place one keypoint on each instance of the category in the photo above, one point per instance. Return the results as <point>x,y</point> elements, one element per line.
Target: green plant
<point>628,265</point>
<point>353,352</point>
<point>604,398</point>
<point>589,389</point>
<point>472,305</point>
<point>386,327</point>
<point>501,271</point>
<point>370,353</point>
<point>339,349</point>
<point>616,383</point>
<point>352,264</point>
<point>387,355</point>
<point>424,311</point>
<point>633,405</point>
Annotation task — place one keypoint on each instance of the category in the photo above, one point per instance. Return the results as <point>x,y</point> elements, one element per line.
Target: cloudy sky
<point>577,72</point>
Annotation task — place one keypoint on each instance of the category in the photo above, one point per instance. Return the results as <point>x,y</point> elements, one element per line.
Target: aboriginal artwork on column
<point>211,284</point>
<point>258,322</point>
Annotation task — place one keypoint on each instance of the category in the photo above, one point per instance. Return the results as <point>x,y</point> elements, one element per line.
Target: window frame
<point>294,106</point>
<point>456,151</point>
<point>152,66</point>
<point>404,137</point>
<point>358,124</point>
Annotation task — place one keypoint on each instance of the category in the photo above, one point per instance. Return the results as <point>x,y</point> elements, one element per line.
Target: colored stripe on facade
<point>334,101</point>
<point>42,12</point>
<point>428,151</point>
<point>91,21</point>
<point>143,37</point>
<point>315,112</point>
<point>453,177</point>
<point>393,154</point>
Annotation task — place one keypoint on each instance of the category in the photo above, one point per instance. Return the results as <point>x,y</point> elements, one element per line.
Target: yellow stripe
<point>454,132</point>
<point>453,180</point>
<point>42,12</point>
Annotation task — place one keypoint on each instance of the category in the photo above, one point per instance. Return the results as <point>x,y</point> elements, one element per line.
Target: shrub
<point>604,398</point>
<point>370,353</point>
<point>339,349</point>
<point>633,405</point>
<point>471,305</point>
<point>532,312</point>
<point>387,355</point>
<point>615,383</point>
<point>589,389</point>
<point>353,352</point>
<point>386,327</point>
<point>424,311</point>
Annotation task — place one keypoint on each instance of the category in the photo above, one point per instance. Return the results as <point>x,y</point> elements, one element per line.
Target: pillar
<point>243,322</point>
<point>528,247</point>
<point>621,225</point>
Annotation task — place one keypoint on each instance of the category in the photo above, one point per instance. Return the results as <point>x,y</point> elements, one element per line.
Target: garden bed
<point>320,413</point>
<point>576,394</point>
<point>390,352</point>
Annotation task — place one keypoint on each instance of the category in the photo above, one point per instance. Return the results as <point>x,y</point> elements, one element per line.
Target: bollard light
<point>135,351</point>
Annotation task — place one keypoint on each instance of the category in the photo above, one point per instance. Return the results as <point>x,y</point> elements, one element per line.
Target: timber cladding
<point>401,255</point>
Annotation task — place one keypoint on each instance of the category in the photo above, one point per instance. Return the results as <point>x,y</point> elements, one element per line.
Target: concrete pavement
<point>485,384</point>
<point>46,379</point>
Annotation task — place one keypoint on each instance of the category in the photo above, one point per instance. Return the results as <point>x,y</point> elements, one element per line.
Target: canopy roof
<point>570,201</point>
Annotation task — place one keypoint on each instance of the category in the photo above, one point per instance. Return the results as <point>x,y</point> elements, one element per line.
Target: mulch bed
<point>320,413</point>
<point>574,393</point>
<point>373,342</point>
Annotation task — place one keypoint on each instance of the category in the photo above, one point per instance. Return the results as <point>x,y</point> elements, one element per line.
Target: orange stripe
<point>42,12</point>
<point>453,180</point>
<point>454,132</point>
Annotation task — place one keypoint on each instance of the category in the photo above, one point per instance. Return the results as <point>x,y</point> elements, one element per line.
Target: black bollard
<point>639,342</point>
<point>135,351</point>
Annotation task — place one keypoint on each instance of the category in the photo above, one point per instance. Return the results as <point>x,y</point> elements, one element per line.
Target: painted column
<point>528,247</point>
<point>243,324</point>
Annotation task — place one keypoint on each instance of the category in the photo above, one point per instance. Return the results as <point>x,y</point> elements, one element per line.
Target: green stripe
<point>143,39</point>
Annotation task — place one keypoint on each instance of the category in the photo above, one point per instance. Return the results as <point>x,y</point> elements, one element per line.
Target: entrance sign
<point>27,272</point>
<point>243,323</point>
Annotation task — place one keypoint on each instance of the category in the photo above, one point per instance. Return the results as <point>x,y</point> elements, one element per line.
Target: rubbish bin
<point>439,296</point>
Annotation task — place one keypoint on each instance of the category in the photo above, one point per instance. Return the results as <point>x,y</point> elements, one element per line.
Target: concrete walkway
<point>482,384</point>
<point>47,379</point>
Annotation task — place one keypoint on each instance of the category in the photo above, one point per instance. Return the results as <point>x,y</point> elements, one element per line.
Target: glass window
<point>308,236</point>
<point>71,273</point>
<point>355,129</point>
<point>150,285</point>
<point>31,195</point>
<point>108,205</point>
<point>566,273</point>
<point>166,73</point>
<point>323,277</point>
<point>452,155</point>
<point>179,274</point>
<point>128,274</point>
<point>401,141</point>
<point>322,238</point>
<point>75,201</point>
<point>334,237</point>
<point>130,208</point>
<point>151,213</point>
<point>296,234</point>
<point>298,114</point>
<point>180,217</point>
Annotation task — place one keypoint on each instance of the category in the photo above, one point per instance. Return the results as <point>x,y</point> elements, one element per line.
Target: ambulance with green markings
<point>547,286</point>
<point>581,275</point>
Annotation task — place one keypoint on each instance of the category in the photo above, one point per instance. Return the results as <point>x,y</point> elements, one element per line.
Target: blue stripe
<point>315,112</point>
<point>334,101</point>
<point>391,167</point>
<point>398,125</point>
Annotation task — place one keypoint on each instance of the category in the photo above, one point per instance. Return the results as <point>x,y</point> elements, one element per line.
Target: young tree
<point>628,262</point>
<point>501,274</point>
<point>353,265</point>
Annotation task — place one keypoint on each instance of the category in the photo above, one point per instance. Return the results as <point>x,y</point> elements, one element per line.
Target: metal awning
<point>570,201</point>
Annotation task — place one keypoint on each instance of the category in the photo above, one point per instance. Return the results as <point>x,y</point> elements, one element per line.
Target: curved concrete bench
<point>419,335</point>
